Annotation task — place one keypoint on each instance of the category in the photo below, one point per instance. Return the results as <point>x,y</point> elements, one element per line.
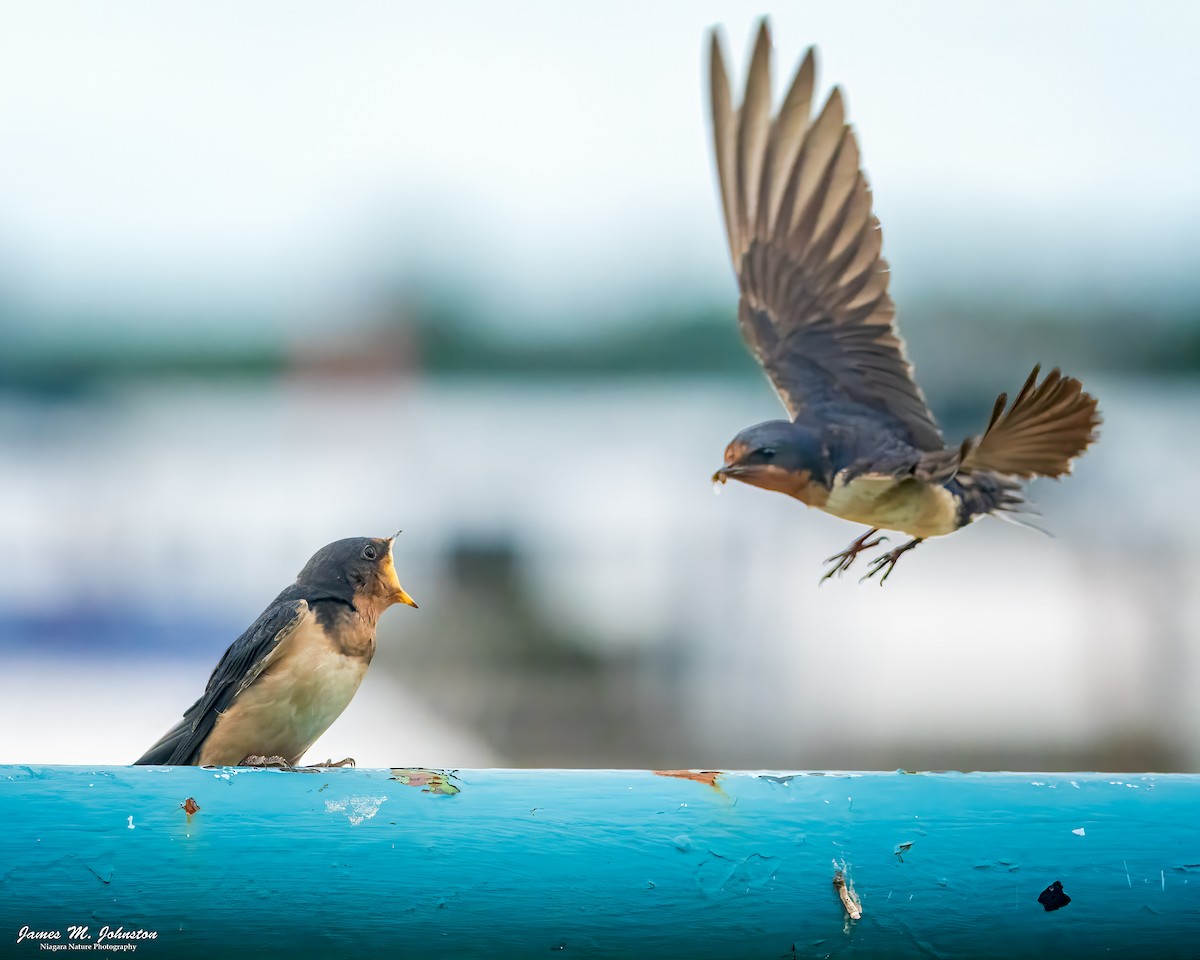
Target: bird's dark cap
<point>346,570</point>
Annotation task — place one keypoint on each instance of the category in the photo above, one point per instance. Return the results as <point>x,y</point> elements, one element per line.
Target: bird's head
<point>358,571</point>
<point>777,455</point>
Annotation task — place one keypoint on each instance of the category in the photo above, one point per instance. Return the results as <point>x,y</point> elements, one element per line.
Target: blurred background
<point>276,274</point>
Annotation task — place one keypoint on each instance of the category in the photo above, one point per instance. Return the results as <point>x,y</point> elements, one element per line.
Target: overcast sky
<point>276,154</point>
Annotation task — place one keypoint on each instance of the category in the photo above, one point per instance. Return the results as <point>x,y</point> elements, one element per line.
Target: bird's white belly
<point>916,508</point>
<point>290,705</point>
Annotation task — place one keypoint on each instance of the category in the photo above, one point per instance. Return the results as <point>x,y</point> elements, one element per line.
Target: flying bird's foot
<point>347,762</point>
<point>887,562</point>
<point>254,760</point>
<point>846,557</point>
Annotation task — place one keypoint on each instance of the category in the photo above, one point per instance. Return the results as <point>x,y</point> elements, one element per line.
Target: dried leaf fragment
<point>849,897</point>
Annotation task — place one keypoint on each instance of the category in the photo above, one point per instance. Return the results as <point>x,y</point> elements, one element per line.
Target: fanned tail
<point>1048,425</point>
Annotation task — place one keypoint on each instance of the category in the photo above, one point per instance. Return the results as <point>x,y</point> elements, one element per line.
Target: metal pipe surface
<point>191,862</point>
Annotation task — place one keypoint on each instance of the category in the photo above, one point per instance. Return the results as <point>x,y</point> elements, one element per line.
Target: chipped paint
<point>1008,866</point>
<point>356,809</point>
<point>1053,897</point>
<point>722,876</point>
<point>440,782</point>
<point>707,777</point>
<point>659,867</point>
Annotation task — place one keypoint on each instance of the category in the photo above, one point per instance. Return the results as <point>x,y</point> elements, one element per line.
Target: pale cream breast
<point>306,686</point>
<point>911,506</point>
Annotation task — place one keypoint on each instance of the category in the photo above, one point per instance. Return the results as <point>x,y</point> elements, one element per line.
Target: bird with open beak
<point>861,442</point>
<point>291,674</point>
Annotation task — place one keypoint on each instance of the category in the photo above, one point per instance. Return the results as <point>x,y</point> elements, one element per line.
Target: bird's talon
<point>255,760</point>
<point>843,560</point>
<point>346,762</point>
<point>887,562</point>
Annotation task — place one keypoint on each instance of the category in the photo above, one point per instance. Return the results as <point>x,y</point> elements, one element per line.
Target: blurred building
<point>585,600</point>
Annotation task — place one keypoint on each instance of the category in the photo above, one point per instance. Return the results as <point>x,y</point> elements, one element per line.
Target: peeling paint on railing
<point>599,864</point>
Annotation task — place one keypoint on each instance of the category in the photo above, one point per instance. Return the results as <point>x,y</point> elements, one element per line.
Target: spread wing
<point>241,665</point>
<point>815,307</point>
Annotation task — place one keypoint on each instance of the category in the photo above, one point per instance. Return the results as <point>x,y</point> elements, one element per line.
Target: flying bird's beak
<point>723,474</point>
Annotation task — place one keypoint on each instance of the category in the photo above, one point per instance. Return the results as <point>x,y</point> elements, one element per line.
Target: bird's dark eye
<point>369,552</point>
<point>767,453</point>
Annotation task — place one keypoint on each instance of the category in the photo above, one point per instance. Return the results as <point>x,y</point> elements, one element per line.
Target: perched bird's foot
<point>846,557</point>
<point>887,562</point>
<point>347,762</point>
<point>254,760</point>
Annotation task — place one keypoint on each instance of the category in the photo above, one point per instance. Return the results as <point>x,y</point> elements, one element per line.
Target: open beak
<point>389,574</point>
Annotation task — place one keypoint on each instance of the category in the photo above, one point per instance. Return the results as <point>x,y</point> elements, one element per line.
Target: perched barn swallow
<point>861,443</point>
<point>290,675</point>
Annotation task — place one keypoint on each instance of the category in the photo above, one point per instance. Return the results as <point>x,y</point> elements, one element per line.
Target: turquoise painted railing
<point>188,862</point>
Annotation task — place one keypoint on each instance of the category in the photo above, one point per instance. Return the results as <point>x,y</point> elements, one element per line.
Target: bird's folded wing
<point>1048,424</point>
<point>815,307</point>
<point>241,665</point>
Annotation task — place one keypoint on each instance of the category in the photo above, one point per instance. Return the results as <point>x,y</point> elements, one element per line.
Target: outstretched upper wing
<point>241,665</point>
<point>815,308</point>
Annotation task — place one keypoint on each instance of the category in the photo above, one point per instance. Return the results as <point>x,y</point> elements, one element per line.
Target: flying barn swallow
<point>862,443</point>
<point>290,675</point>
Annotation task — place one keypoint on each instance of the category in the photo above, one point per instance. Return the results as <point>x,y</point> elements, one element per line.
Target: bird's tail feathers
<point>983,492</point>
<point>1014,516</point>
<point>1048,425</point>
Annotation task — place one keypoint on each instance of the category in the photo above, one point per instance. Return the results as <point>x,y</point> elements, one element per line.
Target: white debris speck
<point>1079,832</point>
<point>130,823</point>
<point>356,809</point>
<point>1074,784</point>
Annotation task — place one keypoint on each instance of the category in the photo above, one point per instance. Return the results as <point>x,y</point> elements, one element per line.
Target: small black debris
<point>1053,897</point>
